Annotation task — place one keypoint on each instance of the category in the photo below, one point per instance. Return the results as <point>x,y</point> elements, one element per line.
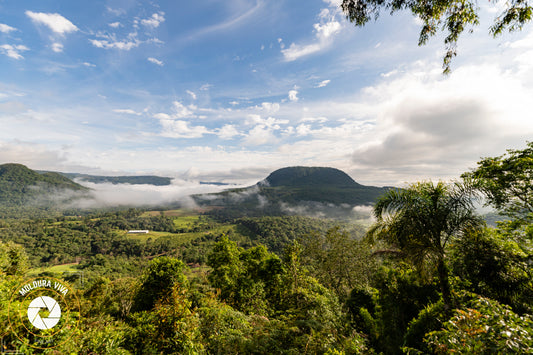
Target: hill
<point>133,180</point>
<point>312,190</point>
<point>20,185</point>
<point>300,176</point>
<point>318,184</point>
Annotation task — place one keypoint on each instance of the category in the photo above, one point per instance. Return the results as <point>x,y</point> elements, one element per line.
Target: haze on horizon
<point>232,90</point>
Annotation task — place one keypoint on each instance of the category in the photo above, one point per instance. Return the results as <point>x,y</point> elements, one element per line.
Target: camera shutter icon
<point>54,314</point>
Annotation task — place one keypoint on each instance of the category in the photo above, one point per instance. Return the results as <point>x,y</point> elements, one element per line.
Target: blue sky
<point>231,90</point>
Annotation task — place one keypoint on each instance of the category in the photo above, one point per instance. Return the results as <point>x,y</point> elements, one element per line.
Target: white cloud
<point>272,122</point>
<point>57,47</point>
<point>296,51</point>
<point>324,33</point>
<point>182,111</point>
<point>90,65</point>
<point>192,94</point>
<point>431,126</point>
<point>181,129</point>
<point>55,22</point>
<point>13,51</point>
<point>227,132</point>
<point>323,83</point>
<point>155,61</point>
<point>6,28</point>
<point>293,95</point>
<point>110,42</point>
<point>115,24</point>
<point>270,107</point>
<point>260,135</point>
<point>127,111</point>
<point>154,21</point>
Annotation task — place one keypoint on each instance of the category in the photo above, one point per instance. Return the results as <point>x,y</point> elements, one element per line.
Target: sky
<point>230,90</point>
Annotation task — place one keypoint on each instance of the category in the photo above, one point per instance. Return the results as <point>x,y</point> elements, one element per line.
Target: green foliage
<point>278,232</point>
<point>170,328</point>
<point>247,279</point>
<point>507,182</point>
<point>401,296</point>
<point>422,219</point>
<point>158,282</point>
<point>452,17</point>
<point>495,267</point>
<point>338,260</point>
<point>13,259</point>
<point>20,185</point>
<point>484,326</point>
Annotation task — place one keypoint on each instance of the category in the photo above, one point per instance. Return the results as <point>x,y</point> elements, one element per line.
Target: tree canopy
<point>450,16</point>
<point>506,181</point>
<point>422,219</point>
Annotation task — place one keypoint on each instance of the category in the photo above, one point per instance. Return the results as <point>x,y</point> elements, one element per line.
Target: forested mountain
<point>133,180</point>
<point>319,184</point>
<point>20,185</point>
<point>313,188</point>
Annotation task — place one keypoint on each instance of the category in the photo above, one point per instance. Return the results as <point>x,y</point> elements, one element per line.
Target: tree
<point>484,327</point>
<point>451,16</point>
<point>507,182</point>
<point>420,220</point>
<point>158,281</point>
<point>338,260</point>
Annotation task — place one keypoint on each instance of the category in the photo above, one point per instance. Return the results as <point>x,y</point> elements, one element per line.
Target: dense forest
<point>428,277</point>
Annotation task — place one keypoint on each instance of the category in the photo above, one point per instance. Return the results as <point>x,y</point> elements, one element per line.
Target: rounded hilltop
<point>305,176</point>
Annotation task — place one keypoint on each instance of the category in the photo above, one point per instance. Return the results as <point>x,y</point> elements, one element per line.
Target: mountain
<point>297,189</point>
<point>318,184</point>
<point>133,180</point>
<point>20,185</point>
<point>300,176</point>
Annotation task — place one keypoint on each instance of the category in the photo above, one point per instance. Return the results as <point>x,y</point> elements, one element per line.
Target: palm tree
<point>419,221</point>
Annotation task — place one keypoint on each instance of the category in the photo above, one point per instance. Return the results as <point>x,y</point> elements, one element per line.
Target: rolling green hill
<point>315,187</point>
<point>20,185</point>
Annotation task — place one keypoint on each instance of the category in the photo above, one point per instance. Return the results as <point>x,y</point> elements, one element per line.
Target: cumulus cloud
<point>13,51</point>
<point>430,126</point>
<point>293,95</point>
<point>111,42</point>
<point>155,61</point>
<point>6,28</point>
<point>154,21</point>
<point>115,24</point>
<point>227,132</point>
<point>172,128</point>
<point>57,23</point>
<point>260,135</point>
<point>272,122</point>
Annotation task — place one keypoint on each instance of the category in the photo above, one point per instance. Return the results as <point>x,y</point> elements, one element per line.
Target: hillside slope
<point>20,185</point>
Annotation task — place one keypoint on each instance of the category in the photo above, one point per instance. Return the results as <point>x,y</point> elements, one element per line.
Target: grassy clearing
<point>56,269</point>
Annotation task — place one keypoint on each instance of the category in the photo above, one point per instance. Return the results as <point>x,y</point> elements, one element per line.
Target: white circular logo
<point>54,314</point>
